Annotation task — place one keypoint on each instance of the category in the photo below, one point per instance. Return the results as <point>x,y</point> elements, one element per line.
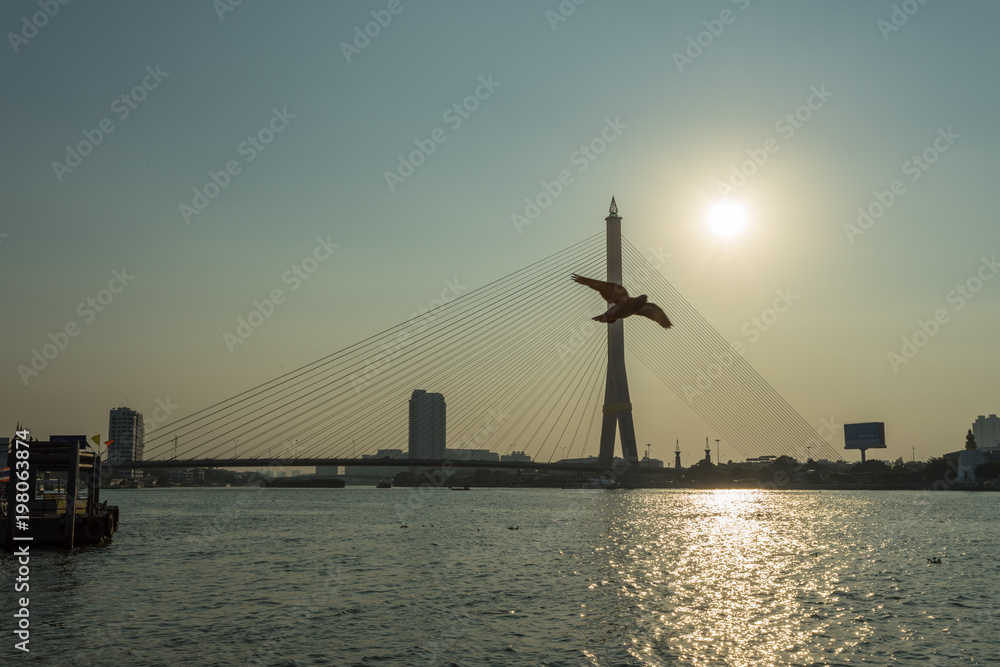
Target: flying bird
<point>621,304</point>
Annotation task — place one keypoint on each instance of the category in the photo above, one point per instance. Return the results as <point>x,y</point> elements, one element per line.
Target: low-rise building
<point>378,472</point>
<point>471,455</point>
<point>515,457</point>
<point>187,476</point>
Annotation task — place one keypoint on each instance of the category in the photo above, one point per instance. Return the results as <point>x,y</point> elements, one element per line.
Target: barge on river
<point>60,488</point>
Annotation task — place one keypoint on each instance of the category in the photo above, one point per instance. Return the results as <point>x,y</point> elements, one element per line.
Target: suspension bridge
<point>522,367</point>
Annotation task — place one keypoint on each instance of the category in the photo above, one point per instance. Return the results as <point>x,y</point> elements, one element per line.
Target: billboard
<point>867,435</point>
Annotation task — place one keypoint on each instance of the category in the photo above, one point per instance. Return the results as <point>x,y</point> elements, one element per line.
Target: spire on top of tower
<point>970,440</point>
<point>614,207</point>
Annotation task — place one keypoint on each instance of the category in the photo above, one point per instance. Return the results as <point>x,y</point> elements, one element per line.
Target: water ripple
<point>327,577</point>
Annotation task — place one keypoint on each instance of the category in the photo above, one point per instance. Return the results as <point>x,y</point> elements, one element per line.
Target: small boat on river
<point>51,494</point>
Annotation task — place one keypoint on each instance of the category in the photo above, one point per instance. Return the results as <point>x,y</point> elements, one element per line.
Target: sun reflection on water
<point>720,577</point>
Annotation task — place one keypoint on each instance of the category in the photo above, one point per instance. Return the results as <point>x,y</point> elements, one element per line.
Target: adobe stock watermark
<point>224,519</point>
<point>159,415</point>
<point>705,378</point>
<point>223,7</point>
<point>88,310</point>
<point>655,259</point>
<point>417,496</point>
<point>564,10</point>
<point>725,362</point>
<point>552,538</point>
<point>263,309</point>
<point>581,334</point>
<point>827,431</point>
<point>927,329</point>
<point>31,25</point>
<point>317,601</point>
<point>111,635</point>
<point>698,43</point>
<point>389,353</point>
<point>786,126</point>
<point>900,15</point>
<point>363,35</point>
<point>581,158</point>
<point>122,106</point>
<point>756,325</point>
<point>438,648</point>
<point>454,116</point>
<point>915,167</point>
<point>249,148</point>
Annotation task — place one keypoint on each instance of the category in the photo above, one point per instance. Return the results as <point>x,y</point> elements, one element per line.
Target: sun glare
<point>727,218</point>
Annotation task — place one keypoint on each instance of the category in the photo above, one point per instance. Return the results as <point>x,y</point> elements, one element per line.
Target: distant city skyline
<point>189,215</point>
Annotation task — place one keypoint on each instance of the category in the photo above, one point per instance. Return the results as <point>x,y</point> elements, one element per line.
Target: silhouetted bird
<point>622,305</point>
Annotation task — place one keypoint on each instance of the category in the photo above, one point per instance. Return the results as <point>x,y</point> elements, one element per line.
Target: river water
<point>522,577</point>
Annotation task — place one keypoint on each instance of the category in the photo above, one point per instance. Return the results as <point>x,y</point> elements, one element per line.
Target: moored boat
<point>52,494</point>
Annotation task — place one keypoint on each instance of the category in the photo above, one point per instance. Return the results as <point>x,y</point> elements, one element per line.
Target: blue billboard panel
<point>867,435</point>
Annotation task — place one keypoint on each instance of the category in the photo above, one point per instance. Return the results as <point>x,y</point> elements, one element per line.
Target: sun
<point>727,218</point>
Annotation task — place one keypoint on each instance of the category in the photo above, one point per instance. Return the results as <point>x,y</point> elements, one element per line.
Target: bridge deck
<point>396,463</point>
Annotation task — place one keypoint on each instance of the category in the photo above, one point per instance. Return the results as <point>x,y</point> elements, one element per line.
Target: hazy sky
<point>830,103</point>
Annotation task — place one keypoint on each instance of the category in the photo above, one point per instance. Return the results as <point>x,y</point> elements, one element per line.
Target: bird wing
<point>612,292</point>
<point>653,312</point>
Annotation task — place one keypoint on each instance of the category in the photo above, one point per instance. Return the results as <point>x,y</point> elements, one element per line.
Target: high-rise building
<point>987,431</point>
<point>427,425</point>
<point>126,429</point>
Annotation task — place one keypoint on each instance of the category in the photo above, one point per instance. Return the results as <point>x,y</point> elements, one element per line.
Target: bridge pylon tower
<point>617,404</point>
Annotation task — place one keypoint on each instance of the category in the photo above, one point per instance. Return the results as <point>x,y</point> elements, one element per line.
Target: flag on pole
<point>96,439</point>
